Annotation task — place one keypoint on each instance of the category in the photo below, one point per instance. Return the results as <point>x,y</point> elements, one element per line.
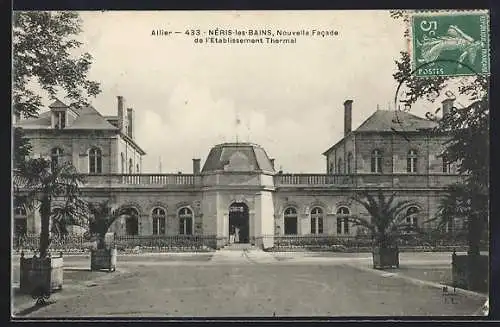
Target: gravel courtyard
<point>236,284</point>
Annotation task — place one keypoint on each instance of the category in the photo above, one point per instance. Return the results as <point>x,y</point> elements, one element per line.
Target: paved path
<point>251,283</point>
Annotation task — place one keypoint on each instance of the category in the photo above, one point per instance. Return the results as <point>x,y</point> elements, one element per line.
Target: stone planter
<point>103,259</point>
<point>384,258</point>
<point>470,272</point>
<point>41,273</point>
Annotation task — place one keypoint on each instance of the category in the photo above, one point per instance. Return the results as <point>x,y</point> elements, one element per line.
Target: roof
<point>391,121</point>
<point>245,157</point>
<point>58,104</point>
<point>88,118</point>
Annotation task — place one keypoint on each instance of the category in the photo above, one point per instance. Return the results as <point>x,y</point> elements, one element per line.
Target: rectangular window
<point>60,119</point>
<point>446,166</point>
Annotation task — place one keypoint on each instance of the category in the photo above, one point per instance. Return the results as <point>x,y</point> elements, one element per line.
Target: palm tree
<point>102,216</point>
<point>387,217</point>
<point>44,183</point>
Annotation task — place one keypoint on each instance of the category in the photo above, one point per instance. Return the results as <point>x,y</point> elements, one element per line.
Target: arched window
<point>340,168</point>
<point>317,221</point>
<point>411,164</point>
<point>56,157</point>
<point>158,215</point>
<point>131,221</point>
<point>130,166</point>
<point>446,164</point>
<point>411,216</point>
<point>123,162</point>
<point>95,161</point>
<point>290,216</point>
<point>342,220</point>
<point>185,221</point>
<point>349,163</point>
<point>376,162</point>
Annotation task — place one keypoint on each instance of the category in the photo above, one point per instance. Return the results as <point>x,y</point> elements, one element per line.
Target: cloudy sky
<point>289,97</point>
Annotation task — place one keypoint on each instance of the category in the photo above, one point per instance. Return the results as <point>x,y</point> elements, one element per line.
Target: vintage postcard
<point>245,164</point>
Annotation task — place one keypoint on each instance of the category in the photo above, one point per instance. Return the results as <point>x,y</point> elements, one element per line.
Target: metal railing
<point>124,243</point>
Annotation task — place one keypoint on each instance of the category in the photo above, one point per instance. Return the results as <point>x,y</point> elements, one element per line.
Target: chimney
<point>272,162</point>
<point>130,125</point>
<point>196,166</point>
<point>447,106</point>
<point>347,117</point>
<point>120,112</point>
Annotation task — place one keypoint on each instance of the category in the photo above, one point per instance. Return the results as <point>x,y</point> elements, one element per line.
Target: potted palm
<point>102,216</point>
<point>41,183</point>
<point>468,203</point>
<point>385,223</point>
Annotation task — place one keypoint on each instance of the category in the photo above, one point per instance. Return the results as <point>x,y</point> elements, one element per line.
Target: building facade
<point>238,185</point>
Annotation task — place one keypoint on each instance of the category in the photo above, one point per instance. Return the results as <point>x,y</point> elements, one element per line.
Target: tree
<point>44,184</point>
<point>42,46</point>
<point>387,217</point>
<point>101,217</point>
<point>44,61</point>
<point>468,144</point>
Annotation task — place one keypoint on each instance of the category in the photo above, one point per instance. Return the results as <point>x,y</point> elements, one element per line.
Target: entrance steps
<point>242,253</point>
<point>238,247</point>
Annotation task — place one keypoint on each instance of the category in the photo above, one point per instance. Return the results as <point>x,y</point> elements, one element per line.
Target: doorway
<point>239,219</point>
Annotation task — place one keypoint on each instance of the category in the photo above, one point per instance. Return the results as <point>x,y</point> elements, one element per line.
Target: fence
<point>165,243</point>
<point>204,243</point>
<point>336,243</point>
<point>124,243</point>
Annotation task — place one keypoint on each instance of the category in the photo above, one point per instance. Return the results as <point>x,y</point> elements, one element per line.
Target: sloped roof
<point>58,104</point>
<point>243,157</point>
<point>90,118</point>
<point>391,121</point>
<point>43,121</point>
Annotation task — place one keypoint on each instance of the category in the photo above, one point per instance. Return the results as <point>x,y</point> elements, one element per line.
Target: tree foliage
<point>387,216</point>
<point>54,190</point>
<point>44,52</point>
<point>468,144</point>
<point>101,216</point>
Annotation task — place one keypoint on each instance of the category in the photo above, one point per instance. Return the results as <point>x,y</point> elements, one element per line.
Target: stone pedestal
<point>385,258</point>
<point>41,273</point>
<point>103,259</point>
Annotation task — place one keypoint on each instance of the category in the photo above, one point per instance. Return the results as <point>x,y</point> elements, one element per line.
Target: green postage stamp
<point>450,44</point>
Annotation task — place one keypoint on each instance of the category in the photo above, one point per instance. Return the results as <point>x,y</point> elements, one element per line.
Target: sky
<point>288,97</point>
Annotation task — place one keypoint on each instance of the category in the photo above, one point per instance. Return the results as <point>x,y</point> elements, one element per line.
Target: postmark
<point>450,44</point>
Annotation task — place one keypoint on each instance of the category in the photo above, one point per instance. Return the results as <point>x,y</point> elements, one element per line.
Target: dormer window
<point>60,119</point>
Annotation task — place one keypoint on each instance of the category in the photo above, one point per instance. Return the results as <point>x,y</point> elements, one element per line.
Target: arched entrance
<point>130,217</point>
<point>239,218</point>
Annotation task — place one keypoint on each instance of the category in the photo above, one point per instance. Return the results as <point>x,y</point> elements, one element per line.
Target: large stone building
<point>238,184</point>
